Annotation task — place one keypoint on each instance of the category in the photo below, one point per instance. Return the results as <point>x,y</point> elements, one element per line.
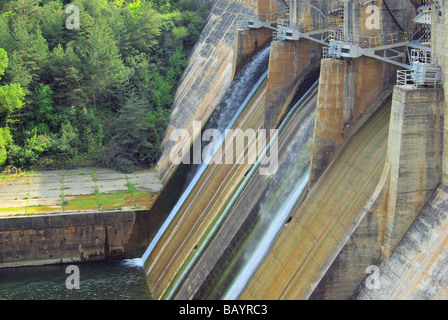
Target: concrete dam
<point>306,158</point>
<point>356,208</point>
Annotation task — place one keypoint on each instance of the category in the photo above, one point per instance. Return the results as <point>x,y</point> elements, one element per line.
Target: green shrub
<point>5,143</point>
<point>27,155</point>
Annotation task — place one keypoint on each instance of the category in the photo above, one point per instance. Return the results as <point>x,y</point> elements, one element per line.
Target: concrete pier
<point>291,65</point>
<point>415,154</point>
<point>248,42</point>
<point>350,91</point>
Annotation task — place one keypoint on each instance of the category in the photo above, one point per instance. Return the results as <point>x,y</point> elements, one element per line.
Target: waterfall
<point>224,117</point>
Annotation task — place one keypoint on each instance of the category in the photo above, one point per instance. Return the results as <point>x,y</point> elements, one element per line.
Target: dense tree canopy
<point>98,93</point>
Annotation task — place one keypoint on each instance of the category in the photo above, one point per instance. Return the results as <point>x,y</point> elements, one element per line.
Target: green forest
<point>97,92</point>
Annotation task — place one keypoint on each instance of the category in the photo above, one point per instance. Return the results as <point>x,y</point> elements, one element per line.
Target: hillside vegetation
<point>100,93</point>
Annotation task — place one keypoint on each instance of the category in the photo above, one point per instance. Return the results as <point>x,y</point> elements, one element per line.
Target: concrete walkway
<point>78,190</point>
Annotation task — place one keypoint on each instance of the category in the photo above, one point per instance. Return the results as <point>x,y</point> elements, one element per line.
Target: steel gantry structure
<point>413,53</point>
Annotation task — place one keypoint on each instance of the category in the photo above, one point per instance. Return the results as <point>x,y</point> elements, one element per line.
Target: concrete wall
<point>413,266</point>
<point>62,238</point>
<point>350,91</point>
<point>419,268</point>
<point>411,173</point>
<point>304,248</point>
<point>415,153</point>
<point>248,42</point>
<point>265,8</point>
<point>311,11</point>
<point>208,74</point>
<point>440,45</point>
<point>356,16</point>
<point>292,64</point>
<point>363,247</point>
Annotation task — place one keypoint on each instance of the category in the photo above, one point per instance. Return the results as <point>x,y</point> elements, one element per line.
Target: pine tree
<point>103,64</point>
<point>29,51</point>
<point>63,72</point>
<point>51,19</point>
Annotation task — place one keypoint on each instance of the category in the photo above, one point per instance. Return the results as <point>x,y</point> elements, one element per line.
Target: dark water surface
<point>115,280</point>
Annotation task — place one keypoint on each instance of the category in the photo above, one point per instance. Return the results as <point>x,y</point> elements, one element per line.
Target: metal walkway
<point>413,53</point>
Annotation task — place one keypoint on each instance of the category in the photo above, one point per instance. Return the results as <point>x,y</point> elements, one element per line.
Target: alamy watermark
<point>372,281</point>
<point>73,20</point>
<point>234,146</point>
<point>73,280</point>
<point>373,20</point>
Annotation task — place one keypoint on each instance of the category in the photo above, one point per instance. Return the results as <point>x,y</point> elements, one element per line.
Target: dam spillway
<point>241,104</point>
<point>330,216</point>
<point>363,162</point>
<point>253,206</point>
<point>353,208</point>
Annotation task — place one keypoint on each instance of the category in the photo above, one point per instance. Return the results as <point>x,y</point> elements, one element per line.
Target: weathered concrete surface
<point>363,247</point>
<point>238,224</point>
<point>418,270</point>
<point>415,153</point>
<point>292,64</point>
<point>247,42</point>
<point>54,191</point>
<point>319,226</point>
<point>311,11</point>
<point>358,23</point>
<point>266,9</point>
<point>63,238</point>
<point>207,76</point>
<point>412,172</point>
<point>349,93</point>
<point>199,211</point>
<point>440,45</point>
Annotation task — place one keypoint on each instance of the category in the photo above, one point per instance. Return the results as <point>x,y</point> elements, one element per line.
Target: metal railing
<point>332,23</point>
<point>418,78</point>
<point>421,56</point>
<point>371,42</point>
<point>388,39</point>
<point>336,35</point>
<point>276,37</point>
<point>404,77</point>
<point>326,53</point>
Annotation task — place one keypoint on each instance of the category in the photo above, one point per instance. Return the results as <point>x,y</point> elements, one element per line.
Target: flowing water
<point>281,195</point>
<point>126,279</point>
<point>299,147</point>
<point>234,101</point>
<point>226,115</point>
<point>118,280</point>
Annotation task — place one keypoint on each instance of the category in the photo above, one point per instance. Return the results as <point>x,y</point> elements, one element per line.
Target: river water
<point>114,280</point>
